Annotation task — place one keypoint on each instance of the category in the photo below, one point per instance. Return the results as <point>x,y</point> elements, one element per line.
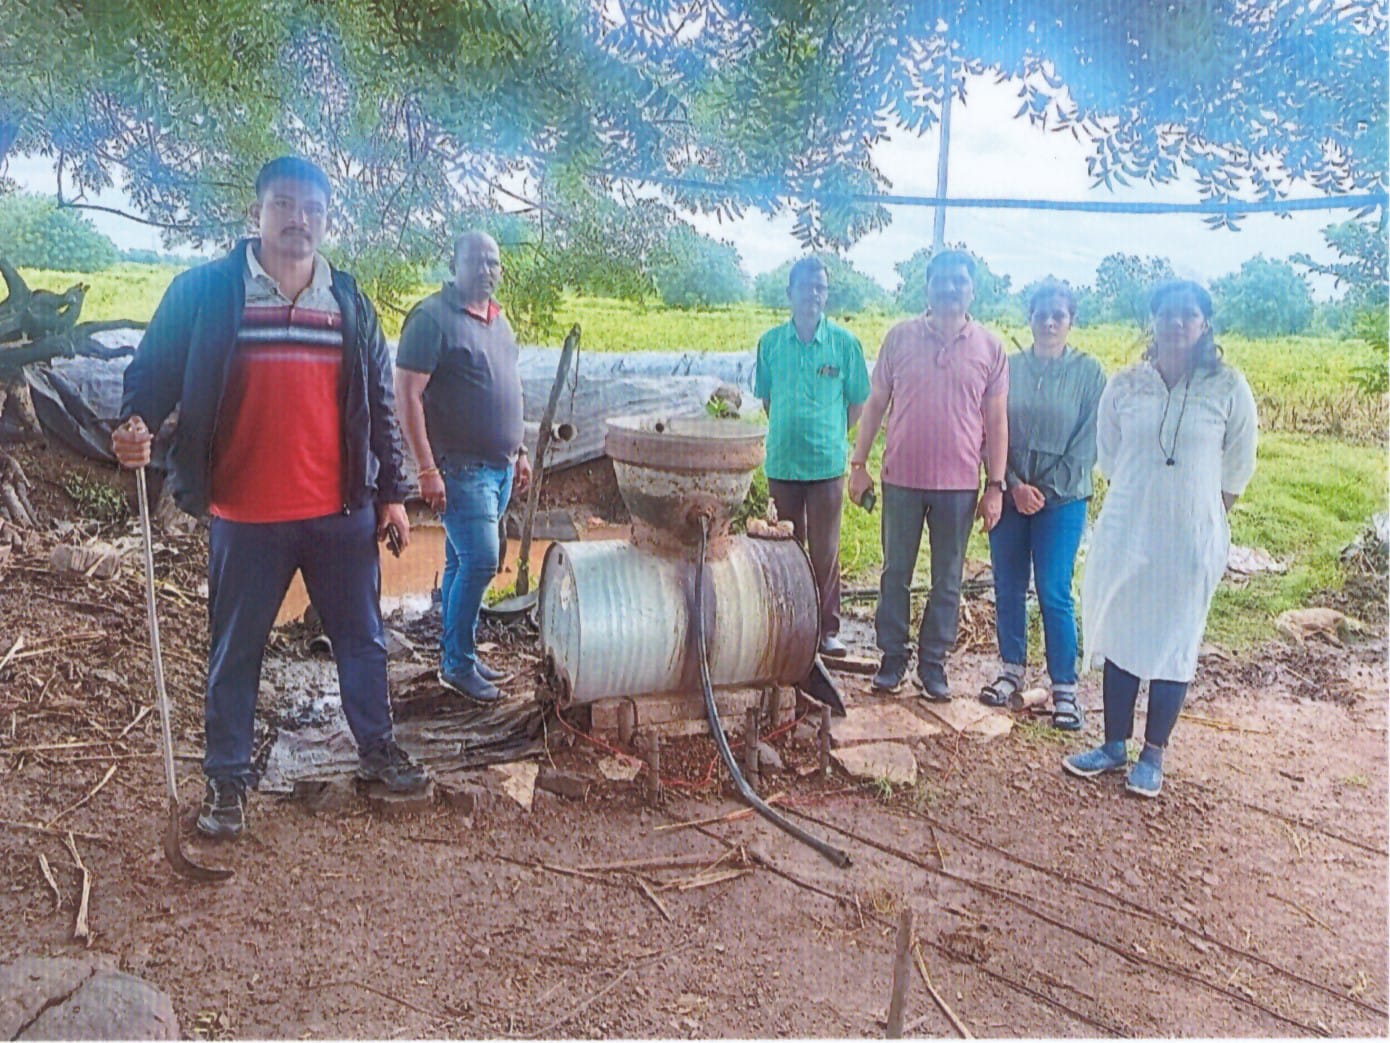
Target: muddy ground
<point>1249,900</point>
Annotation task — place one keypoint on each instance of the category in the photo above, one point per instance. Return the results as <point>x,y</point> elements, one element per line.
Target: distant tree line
<point>1265,297</point>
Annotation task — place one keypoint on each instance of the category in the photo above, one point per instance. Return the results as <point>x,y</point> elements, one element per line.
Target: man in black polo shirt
<point>458,393</point>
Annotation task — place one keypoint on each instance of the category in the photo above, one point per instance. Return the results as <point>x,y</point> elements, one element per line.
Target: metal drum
<point>615,619</point>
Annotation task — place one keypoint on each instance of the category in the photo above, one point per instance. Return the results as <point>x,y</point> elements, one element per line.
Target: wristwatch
<point>995,483</point>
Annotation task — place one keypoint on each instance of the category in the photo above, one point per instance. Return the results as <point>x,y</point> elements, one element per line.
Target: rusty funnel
<point>673,470</point>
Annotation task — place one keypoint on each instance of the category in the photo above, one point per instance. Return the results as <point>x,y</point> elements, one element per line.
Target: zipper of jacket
<point>343,477</point>
<point>222,388</point>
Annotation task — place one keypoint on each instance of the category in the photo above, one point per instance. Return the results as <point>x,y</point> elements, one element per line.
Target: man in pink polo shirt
<point>942,381</point>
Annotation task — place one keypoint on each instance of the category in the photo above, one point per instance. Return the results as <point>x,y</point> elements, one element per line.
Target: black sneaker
<point>890,676</point>
<point>931,678</point>
<point>391,766</point>
<point>223,814</point>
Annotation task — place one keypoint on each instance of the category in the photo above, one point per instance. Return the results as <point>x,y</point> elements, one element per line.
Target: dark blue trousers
<point>249,570</point>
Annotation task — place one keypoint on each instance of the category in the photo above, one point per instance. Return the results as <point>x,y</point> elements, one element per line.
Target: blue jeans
<point>476,494</point>
<point>249,570</point>
<point>1046,541</point>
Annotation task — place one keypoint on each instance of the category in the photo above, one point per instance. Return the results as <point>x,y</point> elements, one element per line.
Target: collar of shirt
<point>321,280</point>
<point>485,314</point>
<point>934,335</point>
<point>816,337</point>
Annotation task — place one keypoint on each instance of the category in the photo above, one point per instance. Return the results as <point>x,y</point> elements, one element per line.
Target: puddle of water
<point>409,580</point>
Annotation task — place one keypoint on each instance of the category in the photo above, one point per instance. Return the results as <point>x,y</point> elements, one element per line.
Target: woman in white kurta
<point>1176,438</point>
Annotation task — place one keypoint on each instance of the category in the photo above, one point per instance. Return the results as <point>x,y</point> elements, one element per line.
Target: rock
<point>518,780</point>
<point>890,761</point>
<point>563,783</point>
<point>99,560</point>
<point>31,983</point>
<point>1247,561</point>
<point>464,795</point>
<point>1299,624</point>
<point>326,798</point>
<point>806,732</point>
<point>769,759</point>
<point>878,722</point>
<point>398,646</point>
<point>406,675</point>
<point>619,769</point>
<point>109,1004</point>
<point>391,805</point>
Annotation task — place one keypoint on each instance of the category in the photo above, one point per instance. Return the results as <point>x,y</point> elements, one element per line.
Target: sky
<point>991,154</point>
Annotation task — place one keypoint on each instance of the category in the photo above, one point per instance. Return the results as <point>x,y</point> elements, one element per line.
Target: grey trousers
<point>948,515</point>
<point>814,509</point>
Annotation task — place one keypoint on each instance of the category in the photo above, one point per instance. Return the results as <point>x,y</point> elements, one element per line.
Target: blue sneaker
<point>1102,759</point>
<point>1146,777</point>
<point>471,686</point>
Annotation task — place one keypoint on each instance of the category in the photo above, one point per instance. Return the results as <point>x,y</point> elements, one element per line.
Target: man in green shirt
<point>813,382</point>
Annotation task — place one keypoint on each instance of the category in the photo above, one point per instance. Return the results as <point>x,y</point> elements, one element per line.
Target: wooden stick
<point>18,644</point>
<point>732,816</point>
<point>95,790</point>
<point>579,1008</point>
<point>38,748</point>
<point>34,827</point>
<point>678,862</point>
<point>897,998</point>
<point>48,875</point>
<point>825,741</point>
<point>1292,904</point>
<point>936,996</point>
<point>709,881</point>
<point>651,895</point>
<point>138,718</point>
<point>80,930</point>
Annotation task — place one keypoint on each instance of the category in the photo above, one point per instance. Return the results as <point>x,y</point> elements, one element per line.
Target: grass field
<point>1322,459</point>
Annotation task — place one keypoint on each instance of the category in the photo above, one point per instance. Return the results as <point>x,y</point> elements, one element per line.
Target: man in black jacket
<point>287,436</point>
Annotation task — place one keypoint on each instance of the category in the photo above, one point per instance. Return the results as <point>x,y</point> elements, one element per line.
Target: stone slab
<point>517,780</point>
<point>958,714</point>
<point>991,726</point>
<point>871,761</point>
<point>31,983</point>
<point>563,783</point>
<point>879,721</point>
<point>109,1005</point>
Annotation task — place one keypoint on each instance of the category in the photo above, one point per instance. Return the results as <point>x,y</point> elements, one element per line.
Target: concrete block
<point>391,805</point>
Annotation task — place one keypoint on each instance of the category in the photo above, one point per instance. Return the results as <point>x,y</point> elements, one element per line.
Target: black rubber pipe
<point>840,858</point>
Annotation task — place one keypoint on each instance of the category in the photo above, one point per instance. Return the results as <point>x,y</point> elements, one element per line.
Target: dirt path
<point>1249,900</point>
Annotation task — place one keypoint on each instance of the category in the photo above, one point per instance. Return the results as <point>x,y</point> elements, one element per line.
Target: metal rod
<point>533,494</point>
<point>943,158</point>
<point>840,858</point>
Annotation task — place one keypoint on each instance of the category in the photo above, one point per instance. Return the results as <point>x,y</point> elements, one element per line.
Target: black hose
<point>840,858</point>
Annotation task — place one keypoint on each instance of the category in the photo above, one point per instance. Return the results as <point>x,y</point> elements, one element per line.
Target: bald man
<point>458,392</point>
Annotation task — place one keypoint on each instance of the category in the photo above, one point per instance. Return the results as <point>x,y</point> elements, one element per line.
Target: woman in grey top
<point>1053,394</point>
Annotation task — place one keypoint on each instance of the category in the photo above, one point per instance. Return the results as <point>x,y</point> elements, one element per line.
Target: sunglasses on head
<point>1055,316</point>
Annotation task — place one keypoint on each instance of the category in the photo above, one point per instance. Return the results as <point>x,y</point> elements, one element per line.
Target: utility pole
<point>938,238</point>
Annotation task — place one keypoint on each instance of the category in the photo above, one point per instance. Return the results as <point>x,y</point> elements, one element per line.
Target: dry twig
<point>80,930</point>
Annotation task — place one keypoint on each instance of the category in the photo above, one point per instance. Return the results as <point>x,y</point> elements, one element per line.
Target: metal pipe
<point>533,494</point>
<point>840,858</point>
